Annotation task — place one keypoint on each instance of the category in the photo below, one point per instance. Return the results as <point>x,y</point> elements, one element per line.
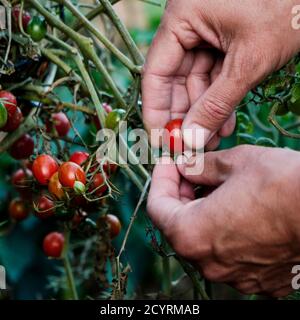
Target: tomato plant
<point>22,180</point>
<point>37,28</point>
<point>69,173</point>
<point>9,101</point>
<point>3,115</point>
<point>114,225</point>
<point>43,168</point>
<point>44,207</point>
<point>18,209</point>
<point>22,148</point>
<point>113,118</point>
<point>79,157</point>
<point>53,244</point>
<point>55,187</point>
<point>13,121</point>
<point>26,17</point>
<point>59,123</point>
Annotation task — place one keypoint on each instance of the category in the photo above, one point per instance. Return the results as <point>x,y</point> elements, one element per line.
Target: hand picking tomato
<point>55,187</point>
<point>23,148</point>
<point>9,101</point>
<point>18,210</point>
<point>79,157</point>
<point>44,207</point>
<point>13,121</point>
<point>59,123</point>
<point>114,225</point>
<point>173,138</point>
<point>43,168</point>
<point>69,173</point>
<point>53,244</point>
<point>37,28</point>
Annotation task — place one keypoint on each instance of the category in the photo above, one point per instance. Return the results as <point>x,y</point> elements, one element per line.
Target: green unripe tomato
<point>113,118</point>
<point>3,115</point>
<point>37,28</point>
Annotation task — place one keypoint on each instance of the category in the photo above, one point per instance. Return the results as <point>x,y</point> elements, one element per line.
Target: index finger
<point>164,59</point>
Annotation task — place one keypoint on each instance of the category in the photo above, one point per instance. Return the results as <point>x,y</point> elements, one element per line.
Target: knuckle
<point>215,109</point>
<point>215,273</point>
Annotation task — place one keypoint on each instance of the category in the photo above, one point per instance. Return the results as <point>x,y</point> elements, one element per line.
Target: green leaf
<point>295,92</point>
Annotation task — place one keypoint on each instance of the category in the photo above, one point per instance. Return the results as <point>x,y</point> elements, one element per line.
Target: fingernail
<point>196,136</point>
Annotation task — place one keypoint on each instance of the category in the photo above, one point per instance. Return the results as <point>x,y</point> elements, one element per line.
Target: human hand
<point>207,55</point>
<point>245,233</point>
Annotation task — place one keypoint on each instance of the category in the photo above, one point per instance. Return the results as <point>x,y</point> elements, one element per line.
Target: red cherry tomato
<point>9,101</point>
<point>18,210</point>
<point>23,148</point>
<point>53,244</point>
<point>110,167</point>
<point>79,157</point>
<point>98,182</point>
<point>114,225</point>
<point>43,168</point>
<point>55,187</point>
<point>108,110</point>
<point>173,137</point>
<point>69,173</point>
<point>26,17</point>
<point>44,207</point>
<point>22,179</point>
<point>13,121</point>
<point>59,123</point>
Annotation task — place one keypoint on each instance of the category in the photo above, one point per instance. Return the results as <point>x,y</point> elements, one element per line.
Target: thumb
<point>209,113</point>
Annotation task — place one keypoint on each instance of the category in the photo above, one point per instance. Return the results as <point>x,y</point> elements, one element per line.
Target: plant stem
<point>167,279</point>
<point>67,264</point>
<point>89,26</point>
<point>91,15</point>
<point>132,47</point>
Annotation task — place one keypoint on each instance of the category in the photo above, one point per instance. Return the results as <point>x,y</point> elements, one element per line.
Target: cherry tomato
<point>55,187</point>
<point>98,182</point>
<point>78,218</point>
<point>37,28</point>
<point>18,210</point>
<point>69,173</point>
<point>23,148</point>
<point>9,101</point>
<point>43,168</point>
<point>44,207</point>
<point>3,115</point>
<point>173,137</point>
<point>113,118</point>
<point>59,123</point>
<point>22,180</point>
<point>114,225</point>
<point>108,110</point>
<point>110,167</point>
<point>13,121</point>
<point>53,244</point>
<point>26,17</point>
<point>79,157</point>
